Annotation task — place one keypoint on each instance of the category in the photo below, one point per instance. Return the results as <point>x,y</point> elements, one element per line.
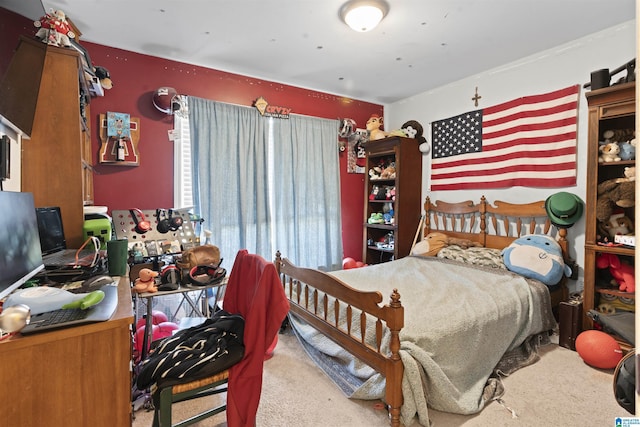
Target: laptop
<point>53,243</point>
<point>58,319</point>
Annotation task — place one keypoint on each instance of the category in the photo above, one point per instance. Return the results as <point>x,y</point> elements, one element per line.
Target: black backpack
<point>624,382</point>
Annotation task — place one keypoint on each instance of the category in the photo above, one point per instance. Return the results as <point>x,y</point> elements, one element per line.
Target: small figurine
<point>146,281</point>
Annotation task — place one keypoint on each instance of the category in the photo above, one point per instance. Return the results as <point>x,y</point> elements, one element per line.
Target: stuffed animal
<point>433,242</point>
<point>104,76</point>
<point>536,256</point>
<point>389,172</point>
<point>374,126</point>
<point>374,172</point>
<point>146,281</point>
<point>618,224</point>
<point>609,152</point>
<point>413,129</point>
<point>54,29</point>
<point>618,135</point>
<point>622,273</point>
<point>199,255</point>
<point>615,193</point>
<point>628,150</point>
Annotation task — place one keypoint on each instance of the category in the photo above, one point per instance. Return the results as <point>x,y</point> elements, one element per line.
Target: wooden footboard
<point>317,298</point>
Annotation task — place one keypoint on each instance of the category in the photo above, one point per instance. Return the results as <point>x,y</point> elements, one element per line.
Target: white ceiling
<point>420,45</point>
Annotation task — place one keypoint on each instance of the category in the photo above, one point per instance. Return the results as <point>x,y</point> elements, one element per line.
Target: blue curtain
<point>267,184</point>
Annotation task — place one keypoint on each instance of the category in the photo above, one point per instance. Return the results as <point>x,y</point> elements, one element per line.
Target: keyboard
<point>57,319</point>
<point>60,316</point>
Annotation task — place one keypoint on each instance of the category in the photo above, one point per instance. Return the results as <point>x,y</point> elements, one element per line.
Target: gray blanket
<point>463,325</point>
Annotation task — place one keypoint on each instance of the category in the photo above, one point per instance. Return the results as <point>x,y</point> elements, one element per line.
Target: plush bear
<point>609,152</point>
<point>146,281</point>
<point>54,29</point>
<point>630,173</point>
<point>622,273</point>
<point>628,150</point>
<point>618,135</point>
<point>613,194</point>
<point>433,242</point>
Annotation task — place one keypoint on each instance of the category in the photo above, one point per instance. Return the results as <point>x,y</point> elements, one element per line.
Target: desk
<point>76,377</point>
<point>202,311</point>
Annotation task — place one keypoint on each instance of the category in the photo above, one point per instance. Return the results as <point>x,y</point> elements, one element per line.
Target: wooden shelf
<point>407,205</point>
<point>610,108</point>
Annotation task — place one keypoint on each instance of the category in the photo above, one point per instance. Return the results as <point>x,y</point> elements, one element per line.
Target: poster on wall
<point>356,157</point>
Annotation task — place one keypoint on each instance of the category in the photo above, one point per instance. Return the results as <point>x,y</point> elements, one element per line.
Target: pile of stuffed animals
<point>622,273</point>
<point>614,196</point>
<point>374,131</point>
<point>618,145</point>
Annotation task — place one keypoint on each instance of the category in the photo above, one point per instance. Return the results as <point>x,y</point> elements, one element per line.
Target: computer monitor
<point>20,253</point>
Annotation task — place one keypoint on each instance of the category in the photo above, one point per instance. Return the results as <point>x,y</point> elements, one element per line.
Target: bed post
<point>278,261</point>
<point>483,221</point>
<point>395,368</point>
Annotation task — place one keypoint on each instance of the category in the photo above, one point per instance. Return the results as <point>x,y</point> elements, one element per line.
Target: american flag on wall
<point>529,142</point>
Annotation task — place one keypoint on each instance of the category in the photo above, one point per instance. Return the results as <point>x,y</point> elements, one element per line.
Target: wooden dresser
<point>73,377</point>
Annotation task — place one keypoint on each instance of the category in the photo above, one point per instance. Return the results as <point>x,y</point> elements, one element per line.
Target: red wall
<point>135,79</point>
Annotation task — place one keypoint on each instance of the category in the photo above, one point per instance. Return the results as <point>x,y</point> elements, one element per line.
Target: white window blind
<point>183,184</point>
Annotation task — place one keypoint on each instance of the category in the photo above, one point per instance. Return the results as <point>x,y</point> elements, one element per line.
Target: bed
<point>449,330</point>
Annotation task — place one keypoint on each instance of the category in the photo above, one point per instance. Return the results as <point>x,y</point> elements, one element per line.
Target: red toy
<point>624,274</point>
<point>157,317</point>
<point>349,263</point>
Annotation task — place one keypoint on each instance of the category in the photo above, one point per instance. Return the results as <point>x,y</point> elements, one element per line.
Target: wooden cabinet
<point>44,93</point>
<point>610,109</point>
<point>393,204</point>
<point>73,377</point>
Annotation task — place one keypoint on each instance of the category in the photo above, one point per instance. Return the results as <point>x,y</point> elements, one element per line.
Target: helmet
<point>165,100</point>
<point>346,128</point>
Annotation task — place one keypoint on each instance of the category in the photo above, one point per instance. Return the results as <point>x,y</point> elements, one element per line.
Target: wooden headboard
<point>494,225</point>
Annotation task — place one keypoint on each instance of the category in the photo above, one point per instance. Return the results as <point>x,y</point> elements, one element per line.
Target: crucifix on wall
<point>476,97</point>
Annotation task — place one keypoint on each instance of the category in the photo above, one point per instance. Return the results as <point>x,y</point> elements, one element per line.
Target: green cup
<point>117,255</point>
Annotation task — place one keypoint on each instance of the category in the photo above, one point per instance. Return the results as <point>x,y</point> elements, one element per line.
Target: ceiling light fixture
<point>363,15</point>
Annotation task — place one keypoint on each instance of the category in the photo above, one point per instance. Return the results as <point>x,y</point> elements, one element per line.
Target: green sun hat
<point>564,209</point>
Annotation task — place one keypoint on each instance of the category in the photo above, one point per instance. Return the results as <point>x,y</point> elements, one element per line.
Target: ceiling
<point>420,45</point>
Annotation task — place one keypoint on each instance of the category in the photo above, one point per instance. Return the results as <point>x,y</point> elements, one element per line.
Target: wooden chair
<point>254,291</point>
<point>164,398</point>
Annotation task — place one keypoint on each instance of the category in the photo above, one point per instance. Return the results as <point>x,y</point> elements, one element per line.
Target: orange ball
<point>598,349</point>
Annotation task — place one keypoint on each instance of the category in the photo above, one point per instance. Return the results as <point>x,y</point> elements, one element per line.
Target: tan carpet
<point>559,390</point>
